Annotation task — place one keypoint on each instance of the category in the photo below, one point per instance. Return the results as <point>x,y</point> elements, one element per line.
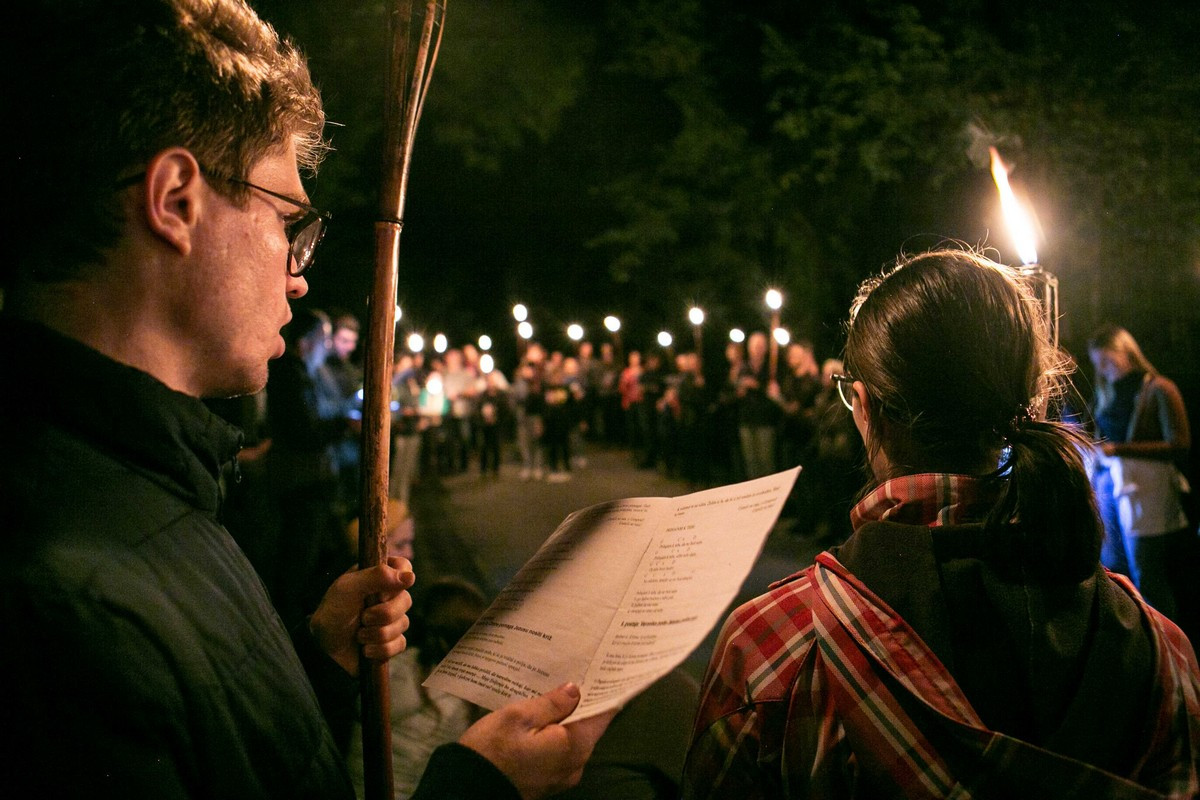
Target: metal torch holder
<point>1044,286</point>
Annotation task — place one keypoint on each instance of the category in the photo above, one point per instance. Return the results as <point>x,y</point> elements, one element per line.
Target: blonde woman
<point>1143,434</point>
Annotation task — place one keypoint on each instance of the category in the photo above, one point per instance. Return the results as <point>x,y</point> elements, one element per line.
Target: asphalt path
<point>484,529</point>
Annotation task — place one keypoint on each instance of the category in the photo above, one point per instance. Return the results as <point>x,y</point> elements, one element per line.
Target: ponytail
<point>1045,505</point>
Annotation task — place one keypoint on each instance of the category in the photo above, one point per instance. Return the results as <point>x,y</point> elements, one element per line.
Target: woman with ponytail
<point>965,641</point>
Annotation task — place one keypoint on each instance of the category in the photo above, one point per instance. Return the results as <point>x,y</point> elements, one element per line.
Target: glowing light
<point>737,335</point>
<point>485,342</point>
<point>486,363</point>
<point>665,339</point>
<point>1020,226</point>
<point>434,384</point>
<point>520,312</point>
<point>416,342</point>
<point>525,330</point>
<point>774,299</point>
<point>782,336</point>
<point>575,332</point>
<point>399,313</point>
<point>696,316</point>
<point>440,343</point>
<point>612,323</point>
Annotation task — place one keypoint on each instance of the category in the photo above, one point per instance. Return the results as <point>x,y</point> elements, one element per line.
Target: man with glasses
<point>159,230</point>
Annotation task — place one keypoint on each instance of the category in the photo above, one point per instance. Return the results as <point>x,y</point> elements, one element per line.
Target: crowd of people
<point>171,633</point>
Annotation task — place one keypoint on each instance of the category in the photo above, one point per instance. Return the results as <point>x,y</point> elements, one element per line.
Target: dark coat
<point>142,655</point>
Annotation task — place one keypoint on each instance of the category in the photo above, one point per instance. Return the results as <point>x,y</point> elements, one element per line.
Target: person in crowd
<point>347,376</point>
<point>608,369</point>
<point>558,413</point>
<point>146,657</point>
<point>695,424</point>
<point>459,380</point>
<point>652,384</point>
<point>757,413</point>
<point>1144,440</point>
<point>796,393</point>
<point>630,388</point>
<point>727,448</point>
<point>798,388</point>
<point>529,400</point>
<point>492,412</point>
<point>407,425</point>
<point>305,421</point>
<point>965,641</point>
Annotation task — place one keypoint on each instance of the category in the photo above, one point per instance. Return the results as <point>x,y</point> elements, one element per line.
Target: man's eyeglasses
<point>303,234</point>
<point>845,388</point>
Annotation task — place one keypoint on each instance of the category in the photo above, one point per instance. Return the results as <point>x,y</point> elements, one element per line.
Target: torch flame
<point>1020,226</point>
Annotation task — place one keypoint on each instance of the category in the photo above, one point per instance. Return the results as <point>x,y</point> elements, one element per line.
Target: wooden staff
<point>414,49</point>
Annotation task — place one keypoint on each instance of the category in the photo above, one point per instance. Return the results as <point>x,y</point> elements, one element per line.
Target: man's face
<point>238,284</point>
<point>344,342</point>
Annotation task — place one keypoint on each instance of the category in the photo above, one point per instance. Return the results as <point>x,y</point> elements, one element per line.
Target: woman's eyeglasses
<point>845,388</point>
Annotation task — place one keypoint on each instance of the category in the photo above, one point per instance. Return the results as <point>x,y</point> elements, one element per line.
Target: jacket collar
<point>168,436</point>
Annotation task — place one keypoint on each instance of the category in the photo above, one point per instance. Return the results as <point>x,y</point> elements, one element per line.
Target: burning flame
<point>1020,226</point>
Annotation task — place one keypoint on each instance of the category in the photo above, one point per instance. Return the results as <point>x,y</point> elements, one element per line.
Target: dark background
<point>634,158</point>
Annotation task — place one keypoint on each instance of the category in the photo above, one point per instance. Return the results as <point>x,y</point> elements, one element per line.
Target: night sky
<point>638,157</point>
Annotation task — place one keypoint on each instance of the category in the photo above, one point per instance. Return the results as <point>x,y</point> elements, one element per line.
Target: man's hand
<point>341,625</point>
<point>526,742</point>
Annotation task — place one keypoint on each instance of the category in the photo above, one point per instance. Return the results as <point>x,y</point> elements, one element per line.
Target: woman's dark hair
<point>955,356</point>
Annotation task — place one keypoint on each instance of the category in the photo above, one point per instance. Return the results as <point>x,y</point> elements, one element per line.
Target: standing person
<point>1144,438</point>
<point>347,377</point>
<point>965,641</point>
<point>407,426</point>
<point>726,443</point>
<point>530,405</point>
<point>757,413</point>
<point>492,410</point>
<point>144,656</point>
<point>607,376</point>
<point>630,387</point>
<point>305,422</point>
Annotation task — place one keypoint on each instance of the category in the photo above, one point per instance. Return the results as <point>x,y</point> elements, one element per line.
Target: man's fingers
<point>553,706</point>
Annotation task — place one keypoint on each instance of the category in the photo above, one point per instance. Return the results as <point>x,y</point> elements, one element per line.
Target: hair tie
<point>1019,421</point>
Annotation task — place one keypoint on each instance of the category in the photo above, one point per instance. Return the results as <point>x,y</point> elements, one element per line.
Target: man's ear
<point>174,187</point>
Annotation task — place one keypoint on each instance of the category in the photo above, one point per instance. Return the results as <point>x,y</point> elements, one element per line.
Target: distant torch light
<point>782,336</point>
<point>665,339</point>
<point>525,330</point>
<point>774,299</point>
<point>486,363</point>
<point>485,342</point>
<point>737,335</point>
<point>696,316</point>
<point>416,342</point>
<point>520,312</point>
<point>575,332</point>
<point>440,343</point>
<point>612,323</point>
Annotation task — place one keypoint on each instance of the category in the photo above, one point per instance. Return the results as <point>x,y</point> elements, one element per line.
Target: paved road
<point>484,529</point>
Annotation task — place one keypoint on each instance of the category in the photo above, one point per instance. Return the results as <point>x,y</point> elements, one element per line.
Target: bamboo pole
<point>414,49</point>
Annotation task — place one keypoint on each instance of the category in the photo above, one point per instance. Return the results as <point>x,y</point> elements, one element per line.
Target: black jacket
<point>142,656</point>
